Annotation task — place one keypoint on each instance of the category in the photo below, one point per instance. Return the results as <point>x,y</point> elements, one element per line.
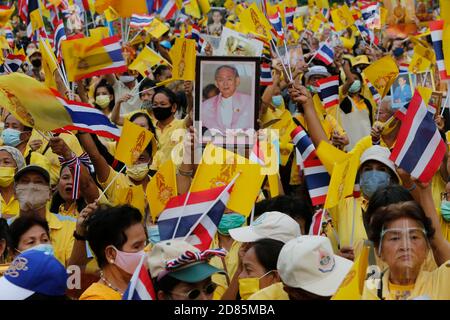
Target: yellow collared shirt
<point>98,291</point>
<point>10,209</point>
<point>61,235</point>
<point>72,211</point>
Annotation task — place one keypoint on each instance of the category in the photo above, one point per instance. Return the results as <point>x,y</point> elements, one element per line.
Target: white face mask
<point>126,79</point>
<point>32,196</point>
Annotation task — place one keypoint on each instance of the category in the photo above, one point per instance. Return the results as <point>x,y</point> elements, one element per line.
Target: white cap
<point>308,263</point>
<point>317,71</point>
<point>273,225</point>
<point>380,154</point>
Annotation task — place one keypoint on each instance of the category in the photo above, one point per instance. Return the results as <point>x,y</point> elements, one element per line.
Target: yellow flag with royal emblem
<point>157,28</point>
<point>132,143</point>
<point>342,18</point>
<point>252,19</point>
<point>161,188</point>
<point>219,166</point>
<point>49,63</point>
<point>419,64</point>
<point>99,33</point>
<point>298,24</point>
<point>146,59</point>
<point>183,55</point>
<point>5,15</point>
<point>382,74</point>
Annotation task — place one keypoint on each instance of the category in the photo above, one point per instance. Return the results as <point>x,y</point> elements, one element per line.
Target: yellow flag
<point>229,4</point>
<point>314,24</point>
<point>426,52</point>
<point>132,143</point>
<point>252,19</point>
<point>205,7</point>
<point>336,187</point>
<point>101,5</point>
<point>348,43</point>
<point>219,167</point>
<point>99,33</point>
<point>352,286</point>
<point>156,28</point>
<point>298,24</point>
<point>193,9</point>
<point>125,9</point>
<point>342,18</point>
<point>382,74</point>
<point>36,20</point>
<point>425,93</point>
<point>32,102</point>
<point>383,16</point>
<point>133,196</point>
<point>111,14</point>
<point>4,43</point>
<point>49,63</point>
<point>445,14</point>
<point>183,55</point>
<point>161,188</point>
<point>295,35</point>
<point>5,15</point>
<point>322,4</point>
<point>145,60</point>
<point>274,188</point>
<point>419,64</point>
<point>329,155</point>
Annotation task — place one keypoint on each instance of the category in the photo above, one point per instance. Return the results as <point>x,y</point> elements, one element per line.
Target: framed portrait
<point>424,79</point>
<point>216,21</point>
<point>436,101</point>
<point>226,100</point>
<point>402,90</point>
<point>233,43</point>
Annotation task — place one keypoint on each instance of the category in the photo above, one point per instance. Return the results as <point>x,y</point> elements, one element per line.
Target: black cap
<point>32,168</point>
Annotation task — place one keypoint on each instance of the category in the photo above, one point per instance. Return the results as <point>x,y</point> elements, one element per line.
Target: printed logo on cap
<point>19,264</point>
<point>326,261</point>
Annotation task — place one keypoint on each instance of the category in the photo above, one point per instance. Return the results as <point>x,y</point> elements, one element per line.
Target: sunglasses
<point>195,293</point>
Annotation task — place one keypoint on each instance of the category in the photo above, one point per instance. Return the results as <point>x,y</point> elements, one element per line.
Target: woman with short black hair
<point>117,239</point>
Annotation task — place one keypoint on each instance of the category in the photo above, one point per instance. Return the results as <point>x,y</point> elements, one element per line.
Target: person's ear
<point>110,254</point>
<point>174,108</point>
<point>238,81</point>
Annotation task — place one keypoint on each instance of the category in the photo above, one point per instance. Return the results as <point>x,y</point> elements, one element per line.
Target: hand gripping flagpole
<point>110,184</point>
<point>228,187</point>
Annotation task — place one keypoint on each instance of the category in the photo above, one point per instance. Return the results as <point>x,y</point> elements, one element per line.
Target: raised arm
<point>101,167</point>
<point>115,113</point>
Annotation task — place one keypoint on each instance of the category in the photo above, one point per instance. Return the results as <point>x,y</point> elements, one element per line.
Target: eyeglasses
<point>195,293</point>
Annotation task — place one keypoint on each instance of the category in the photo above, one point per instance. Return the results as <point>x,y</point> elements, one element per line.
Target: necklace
<point>102,277</point>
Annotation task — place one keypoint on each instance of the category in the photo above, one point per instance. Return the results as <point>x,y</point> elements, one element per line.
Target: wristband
<point>412,188</point>
<point>78,237</point>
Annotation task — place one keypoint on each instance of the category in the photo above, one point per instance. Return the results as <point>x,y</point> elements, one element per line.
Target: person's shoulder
<point>210,102</point>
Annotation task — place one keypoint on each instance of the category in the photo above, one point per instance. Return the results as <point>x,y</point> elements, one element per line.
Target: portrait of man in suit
<point>231,108</point>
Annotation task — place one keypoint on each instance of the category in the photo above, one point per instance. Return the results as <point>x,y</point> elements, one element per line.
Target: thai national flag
<point>403,67</point>
<point>168,9</point>
<point>367,34</point>
<point>316,224</point>
<point>375,94</point>
<point>140,286</point>
<point>275,21</point>
<point>9,36</point>
<point>88,119</point>
<point>316,176</point>
<point>266,75</point>
<point>201,212</point>
<point>329,91</point>
<point>436,28</point>
<point>59,37</point>
<point>289,17</point>
<point>371,14</point>
<point>195,34</point>
<point>140,20</point>
<point>12,63</point>
<point>325,54</point>
<point>419,149</point>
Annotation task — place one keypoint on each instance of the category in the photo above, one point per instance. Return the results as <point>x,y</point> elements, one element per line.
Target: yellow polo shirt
<point>168,138</point>
<point>434,285</point>
<point>231,263</point>
<point>61,235</point>
<point>272,292</point>
<point>124,191</point>
<point>10,209</point>
<point>72,211</point>
<point>98,291</point>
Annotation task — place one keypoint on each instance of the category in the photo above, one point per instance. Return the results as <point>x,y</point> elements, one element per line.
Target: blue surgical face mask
<point>277,101</point>
<point>230,221</point>
<point>355,87</point>
<point>445,210</point>
<point>11,137</point>
<point>153,234</point>
<point>47,248</point>
<point>373,180</point>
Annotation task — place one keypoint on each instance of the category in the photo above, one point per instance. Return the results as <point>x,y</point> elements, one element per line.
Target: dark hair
<point>207,89</point>
<point>293,206</point>
<point>57,200</point>
<point>152,129</point>
<point>146,84</point>
<point>165,284</point>
<point>267,252</point>
<point>104,83</point>
<point>168,93</point>
<point>383,197</point>
<point>21,225</point>
<point>160,69</point>
<point>4,235</point>
<point>392,212</point>
<point>25,128</point>
<point>106,226</point>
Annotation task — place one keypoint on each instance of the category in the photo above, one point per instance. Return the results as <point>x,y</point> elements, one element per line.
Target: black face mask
<point>162,114</point>
<point>36,63</point>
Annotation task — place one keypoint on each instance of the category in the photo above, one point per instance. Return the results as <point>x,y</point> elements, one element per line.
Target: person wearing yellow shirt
<point>259,271</point>
<point>11,160</point>
<point>15,134</point>
<point>403,233</point>
<point>117,238</point>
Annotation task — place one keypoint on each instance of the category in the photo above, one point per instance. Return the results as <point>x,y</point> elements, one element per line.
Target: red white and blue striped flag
<point>325,54</point>
<point>329,91</point>
<point>419,149</point>
<point>59,37</point>
<point>266,75</point>
<point>316,176</point>
<point>140,286</point>
<point>88,119</point>
<point>198,218</point>
<point>371,14</point>
<point>12,63</point>
<point>275,21</point>
<point>141,20</point>
<point>375,94</point>
<point>168,9</point>
<point>289,17</point>
<point>437,29</point>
